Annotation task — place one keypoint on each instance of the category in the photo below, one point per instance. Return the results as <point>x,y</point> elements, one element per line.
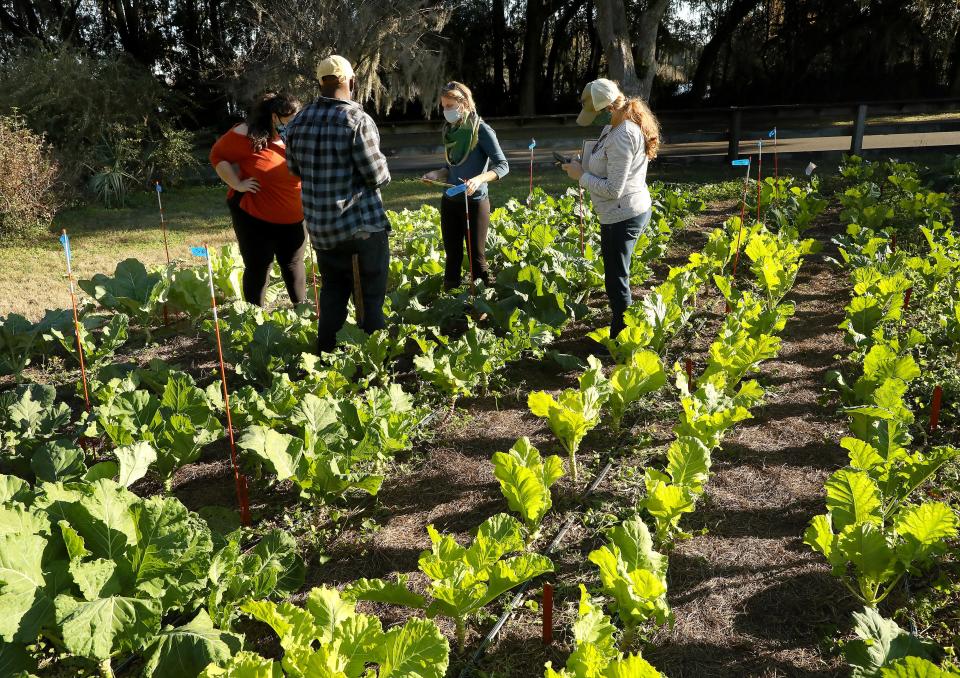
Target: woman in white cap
<point>474,157</point>
<point>615,174</point>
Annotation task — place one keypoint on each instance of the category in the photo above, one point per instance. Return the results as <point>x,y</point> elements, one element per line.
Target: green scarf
<point>461,138</point>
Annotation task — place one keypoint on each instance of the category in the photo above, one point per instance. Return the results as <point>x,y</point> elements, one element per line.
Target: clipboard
<point>587,150</point>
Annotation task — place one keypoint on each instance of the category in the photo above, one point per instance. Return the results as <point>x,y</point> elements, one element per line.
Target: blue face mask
<point>451,115</point>
<point>282,132</point>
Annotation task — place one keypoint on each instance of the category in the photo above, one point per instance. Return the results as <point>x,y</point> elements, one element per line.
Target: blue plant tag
<point>772,133</point>
<point>456,190</point>
<point>65,241</point>
<point>199,252</point>
<point>533,144</point>
<point>741,162</point>
<point>159,188</point>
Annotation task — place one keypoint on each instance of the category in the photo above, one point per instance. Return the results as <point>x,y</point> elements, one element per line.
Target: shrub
<point>28,182</point>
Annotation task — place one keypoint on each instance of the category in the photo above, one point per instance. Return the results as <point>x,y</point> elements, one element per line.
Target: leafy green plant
<point>131,290</point>
<point>628,383</point>
<point>178,423</point>
<point>272,568</point>
<point>463,580</point>
<point>868,551</point>
<point>595,653</point>
<point>633,574</point>
<point>98,349</point>
<point>330,638</point>
<point>881,642</point>
<point>29,418</point>
<point>674,491</point>
<point>93,568</point>
<point>525,480</point>
<point>574,412</point>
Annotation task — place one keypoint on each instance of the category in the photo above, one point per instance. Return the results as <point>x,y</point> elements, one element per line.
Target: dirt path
<point>750,598</point>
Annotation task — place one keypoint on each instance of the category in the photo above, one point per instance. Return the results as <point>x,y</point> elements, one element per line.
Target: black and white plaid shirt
<point>334,147</point>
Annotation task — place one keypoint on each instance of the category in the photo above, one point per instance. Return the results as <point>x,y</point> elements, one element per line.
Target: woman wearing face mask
<point>264,197</point>
<point>474,157</point>
<point>616,176</point>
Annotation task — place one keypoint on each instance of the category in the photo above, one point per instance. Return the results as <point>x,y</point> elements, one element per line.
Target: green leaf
<point>415,649</point>
<point>184,652</point>
<point>283,452</point>
<point>24,605</point>
<point>134,461</point>
<point>380,591</point>
<point>243,665</point>
<point>879,642</point>
<point>101,628</point>
<point>852,497</point>
<point>924,530</point>
<point>916,667</point>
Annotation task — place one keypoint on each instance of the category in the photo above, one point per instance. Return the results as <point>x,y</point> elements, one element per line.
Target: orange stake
<point>166,247</point>
<point>239,479</point>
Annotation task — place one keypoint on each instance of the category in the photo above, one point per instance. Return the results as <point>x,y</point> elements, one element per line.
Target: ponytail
<point>260,118</point>
<point>636,110</point>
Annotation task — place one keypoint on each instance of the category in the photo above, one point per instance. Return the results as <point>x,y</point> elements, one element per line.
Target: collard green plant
<point>595,653</point>
<point>525,480</point>
<point>98,347</point>
<point>30,417</point>
<point>881,642</point>
<point>131,290</point>
<point>93,568</point>
<point>574,412</point>
<point>330,638</point>
<point>633,574</point>
<point>643,374</point>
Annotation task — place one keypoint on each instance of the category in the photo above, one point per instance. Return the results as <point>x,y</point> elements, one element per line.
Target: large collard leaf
<point>58,461</point>
<point>184,651</point>
<point>133,462</point>
<point>104,627</point>
<point>171,554</point>
<point>284,453</point>
<point>688,463</point>
<point>852,497</point>
<point>666,502</point>
<point>879,642</point>
<point>16,661</point>
<point>924,531</point>
<point>415,649</point>
<point>25,605</point>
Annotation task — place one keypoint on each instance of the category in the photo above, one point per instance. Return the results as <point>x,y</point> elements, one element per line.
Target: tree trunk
<point>561,40</point>
<point>647,44</point>
<point>726,27</point>
<point>531,68</point>
<point>614,32</point>
<point>499,49</point>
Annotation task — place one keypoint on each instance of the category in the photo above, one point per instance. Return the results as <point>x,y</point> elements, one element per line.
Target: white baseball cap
<point>335,65</point>
<point>597,95</point>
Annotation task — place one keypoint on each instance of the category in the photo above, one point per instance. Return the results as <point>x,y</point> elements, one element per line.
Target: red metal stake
<point>906,298</point>
<point>466,205</point>
<point>316,293</point>
<point>743,216</point>
<point>548,614</point>
<point>689,368</point>
<point>759,175</point>
<point>239,479</point>
<point>893,243</point>
<point>935,407</point>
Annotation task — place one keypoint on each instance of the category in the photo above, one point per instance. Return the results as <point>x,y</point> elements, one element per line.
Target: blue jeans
<point>336,276</point>
<point>616,247</point>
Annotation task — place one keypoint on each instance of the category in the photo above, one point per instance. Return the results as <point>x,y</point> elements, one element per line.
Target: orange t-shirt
<point>278,200</point>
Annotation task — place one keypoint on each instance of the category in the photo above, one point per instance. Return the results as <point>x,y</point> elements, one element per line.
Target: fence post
<point>736,119</point>
<point>859,127</point>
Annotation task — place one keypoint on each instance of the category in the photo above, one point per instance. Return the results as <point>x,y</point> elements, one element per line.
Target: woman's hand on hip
<point>573,169</point>
<point>432,176</point>
<point>248,185</point>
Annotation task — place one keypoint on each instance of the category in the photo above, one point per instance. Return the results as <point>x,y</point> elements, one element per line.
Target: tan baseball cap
<point>335,65</point>
<point>597,95</point>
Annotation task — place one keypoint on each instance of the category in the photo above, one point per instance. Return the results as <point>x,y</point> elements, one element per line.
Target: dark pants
<point>260,242</point>
<point>337,278</point>
<point>616,247</point>
<point>453,227</point>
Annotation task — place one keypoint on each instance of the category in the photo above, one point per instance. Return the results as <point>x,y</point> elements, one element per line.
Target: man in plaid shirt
<point>334,147</point>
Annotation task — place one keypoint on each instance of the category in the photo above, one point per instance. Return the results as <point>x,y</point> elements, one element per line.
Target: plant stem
<point>461,633</point>
<point>106,670</point>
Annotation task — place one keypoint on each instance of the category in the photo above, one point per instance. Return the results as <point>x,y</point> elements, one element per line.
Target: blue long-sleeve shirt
<point>487,150</point>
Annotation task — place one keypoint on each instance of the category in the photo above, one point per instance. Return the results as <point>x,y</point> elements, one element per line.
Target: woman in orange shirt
<point>264,197</point>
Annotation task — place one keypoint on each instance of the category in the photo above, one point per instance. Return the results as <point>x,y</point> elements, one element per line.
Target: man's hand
<point>573,169</point>
<point>473,185</point>
<point>248,185</point>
